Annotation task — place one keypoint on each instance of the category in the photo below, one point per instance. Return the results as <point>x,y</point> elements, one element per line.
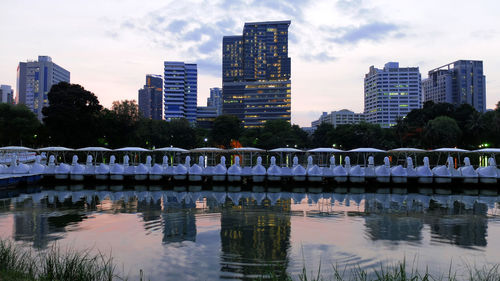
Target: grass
<point>397,272</point>
<point>20,264</point>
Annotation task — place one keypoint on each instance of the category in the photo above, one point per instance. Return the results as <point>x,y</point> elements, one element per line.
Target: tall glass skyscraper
<point>215,100</point>
<point>180,90</point>
<point>391,93</point>
<point>34,80</point>
<point>256,84</point>
<point>458,82</point>
<point>151,97</point>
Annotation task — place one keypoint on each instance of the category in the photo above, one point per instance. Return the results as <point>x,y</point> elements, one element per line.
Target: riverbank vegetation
<point>21,264</point>
<point>75,118</point>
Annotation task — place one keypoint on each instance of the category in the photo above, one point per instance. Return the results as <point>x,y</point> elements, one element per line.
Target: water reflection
<point>254,229</point>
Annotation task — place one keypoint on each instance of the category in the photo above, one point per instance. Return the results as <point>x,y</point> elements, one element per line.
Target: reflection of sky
<point>135,233</point>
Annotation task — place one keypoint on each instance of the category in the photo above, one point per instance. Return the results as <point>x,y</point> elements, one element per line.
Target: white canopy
<point>488,150</point>
<point>366,150</point>
<point>16,148</point>
<point>171,149</point>
<point>55,148</point>
<point>286,150</point>
<point>206,149</point>
<point>407,149</point>
<point>247,149</point>
<point>449,150</point>
<point>132,149</point>
<point>325,150</point>
<point>91,148</point>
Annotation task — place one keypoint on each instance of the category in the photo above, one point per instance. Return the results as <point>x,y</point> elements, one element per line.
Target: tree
<point>18,125</point>
<point>225,129</point>
<point>442,131</point>
<point>72,115</point>
<point>319,137</point>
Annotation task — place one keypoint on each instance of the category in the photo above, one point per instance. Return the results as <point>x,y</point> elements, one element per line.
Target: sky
<point>109,46</point>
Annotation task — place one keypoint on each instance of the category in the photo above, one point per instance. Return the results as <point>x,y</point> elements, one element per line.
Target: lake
<point>212,235</point>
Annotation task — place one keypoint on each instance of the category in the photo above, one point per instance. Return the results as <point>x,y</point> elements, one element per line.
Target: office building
<point>151,97</point>
<point>34,80</point>
<point>458,82</point>
<point>256,84</point>
<point>205,116</point>
<point>180,90</point>
<point>215,100</point>
<point>390,93</point>
<point>6,94</point>
<point>340,117</point>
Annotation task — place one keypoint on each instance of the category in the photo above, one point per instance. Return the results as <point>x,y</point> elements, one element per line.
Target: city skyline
<point>331,44</point>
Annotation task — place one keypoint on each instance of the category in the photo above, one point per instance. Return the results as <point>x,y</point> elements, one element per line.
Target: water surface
<point>210,235</point>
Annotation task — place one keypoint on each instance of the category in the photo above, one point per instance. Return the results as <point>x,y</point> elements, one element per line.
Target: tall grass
<point>18,263</point>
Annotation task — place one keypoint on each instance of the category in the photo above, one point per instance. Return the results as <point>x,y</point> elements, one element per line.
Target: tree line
<point>75,118</point>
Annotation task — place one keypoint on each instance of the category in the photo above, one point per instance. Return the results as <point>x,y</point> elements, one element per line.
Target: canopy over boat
<point>206,149</point>
<point>484,150</point>
<point>92,148</point>
<point>325,150</point>
<point>55,149</point>
<point>406,149</point>
<point>285,150</point>
<point>16,148</point>
<point>246,149</point>
<point>172,149</point>
<point>366,150</point>
<point>132,149</point>
<point>450,150</point>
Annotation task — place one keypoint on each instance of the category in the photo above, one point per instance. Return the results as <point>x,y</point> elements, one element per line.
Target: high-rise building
<point>256,84</point>
<point>151,97</point>
<point>205,116</point>
<point>458,82</point>
<point>6,94</point>
<point>340,117</point>
<point>215,100</point>
<point>180,90</point>
<point>391,93</point>
<point>34,80</point>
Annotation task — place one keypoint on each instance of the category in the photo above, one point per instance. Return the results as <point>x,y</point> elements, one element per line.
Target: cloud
<point>320,57</point>
<point>176,25</point>
<point>374,31</point>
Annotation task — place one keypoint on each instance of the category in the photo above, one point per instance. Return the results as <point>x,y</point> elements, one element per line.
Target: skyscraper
<point>6,94</point>
<point>151,97</point>
<point>390,93</point>
<point>458,82</point>
<point>181,90</point>
<point>34,80</point>
<point>215,100</point>
<point>256,84</point>
<point>340,117</point>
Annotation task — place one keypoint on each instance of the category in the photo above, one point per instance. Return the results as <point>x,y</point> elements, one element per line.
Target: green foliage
<point>18,125</point>
<point>72,115</point>
<point>225,129</point>
<point>442,131</point>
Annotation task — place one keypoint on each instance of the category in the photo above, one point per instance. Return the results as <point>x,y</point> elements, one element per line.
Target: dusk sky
<point>109,46</point>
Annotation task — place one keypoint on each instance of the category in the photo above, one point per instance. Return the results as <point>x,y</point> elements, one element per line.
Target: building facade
<point>180,90</point>
<point>34,80</point>
<point>205,116</point>
<point>340,117</point>
<point>6,94</point>
<point>215,100</point>
<point>391,93</point>
<point>457,83</point>
<point>256,84</point>
<point>151,97</point>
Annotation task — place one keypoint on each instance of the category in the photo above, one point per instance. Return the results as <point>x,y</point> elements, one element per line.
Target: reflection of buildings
<point>251,234</point>
<point>34,224</point>
<point>179,226</point>
<point>394,228</point>
<point>467,228</point>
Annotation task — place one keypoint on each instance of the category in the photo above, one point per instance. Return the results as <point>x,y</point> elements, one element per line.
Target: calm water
<point>217,235</point>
